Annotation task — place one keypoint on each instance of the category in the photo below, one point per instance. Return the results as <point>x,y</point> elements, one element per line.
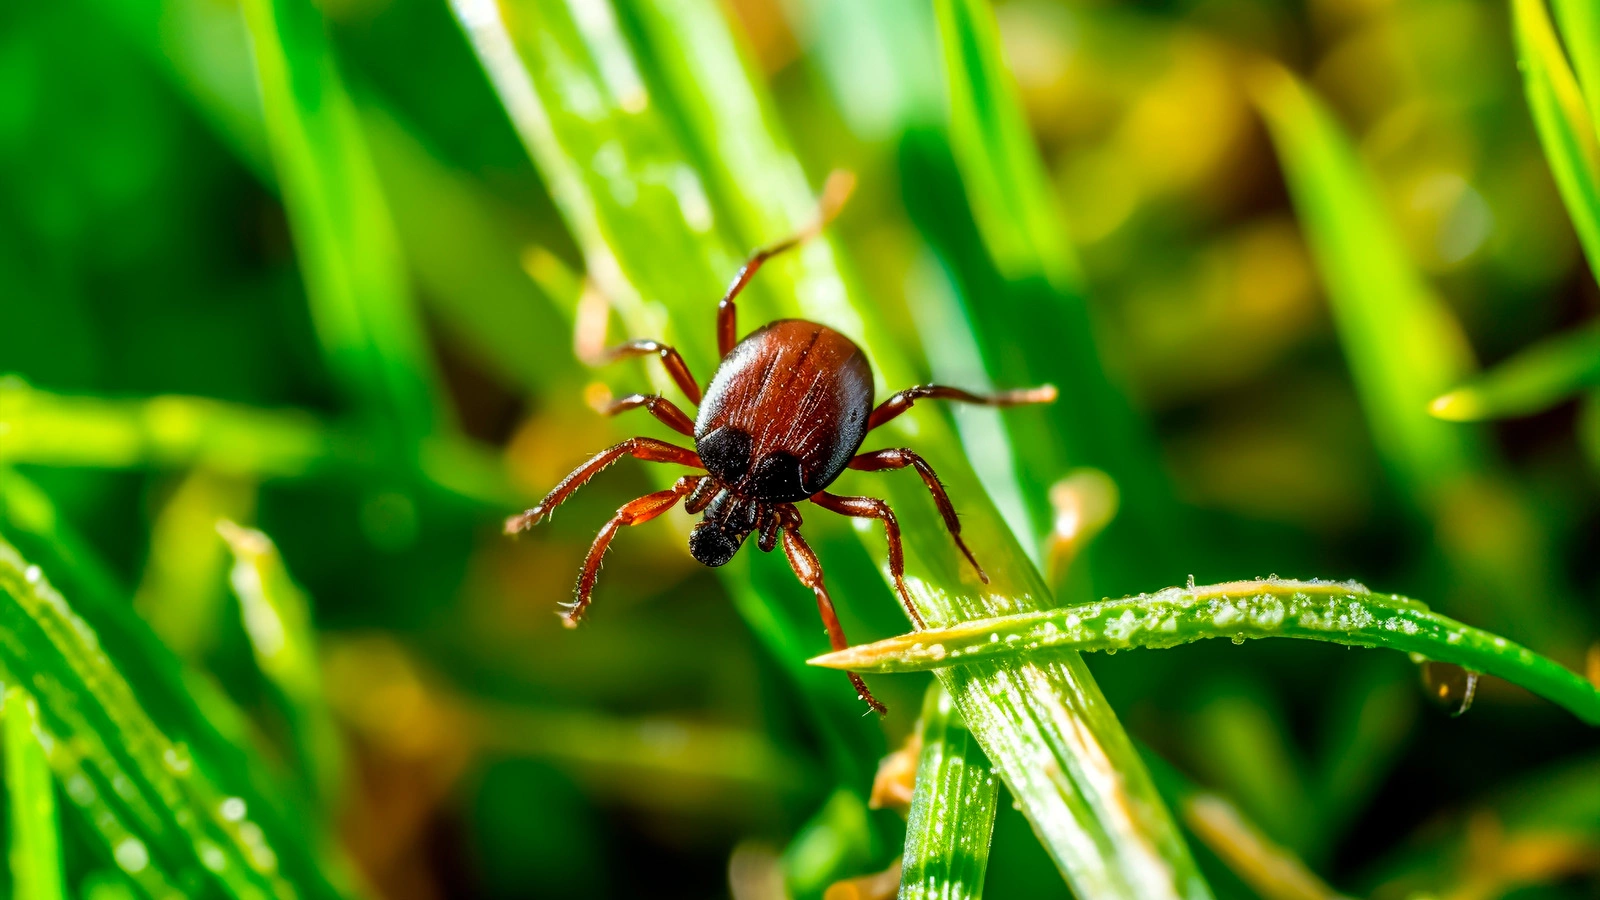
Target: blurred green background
<point>336,307</point>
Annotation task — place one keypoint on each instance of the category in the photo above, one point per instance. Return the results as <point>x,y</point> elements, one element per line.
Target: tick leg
<point>871,508</point>
<point>676,367</point>
<point>806,568</point>
<point>647,449</point>
<point>899,459</point>
<point>632,513</point>
<point>659,406</point>
<point>902,401</point>
<point>834,193</point>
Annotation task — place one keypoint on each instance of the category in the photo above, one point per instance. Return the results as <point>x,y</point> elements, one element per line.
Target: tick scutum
<point>785,412</point>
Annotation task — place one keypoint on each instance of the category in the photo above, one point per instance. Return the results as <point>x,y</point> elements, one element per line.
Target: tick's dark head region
<point>713,545</point>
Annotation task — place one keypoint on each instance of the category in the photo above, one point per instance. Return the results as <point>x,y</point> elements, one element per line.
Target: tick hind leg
<point>871,508</point>
<point>903,401</point>
<point>900,458</point>
<point>633,512</point>
<point>834,193</point>
<point>648,449</point>
<point>809,570</point>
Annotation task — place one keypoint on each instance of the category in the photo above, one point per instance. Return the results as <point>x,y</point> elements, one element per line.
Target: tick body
<point>783,417</point>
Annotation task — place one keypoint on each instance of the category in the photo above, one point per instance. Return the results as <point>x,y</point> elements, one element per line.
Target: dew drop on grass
<point>233,809</point>
<point>32,574</point>
<point>131,855</point>
<point>177,760</point>
<point>1449,685</point>
<point>1238,639</point>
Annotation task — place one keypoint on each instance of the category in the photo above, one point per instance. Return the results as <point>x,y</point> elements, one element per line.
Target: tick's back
<point>785,411</point>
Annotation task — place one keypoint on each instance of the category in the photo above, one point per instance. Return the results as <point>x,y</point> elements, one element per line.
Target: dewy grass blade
<point>1340,612</point>
<point>952,810</point>
<point>602,122</point>
<point>36,872</point>
<point>1532,381</point>
<point>349,253</point>
<point>277,619</point>
<point>1580,36</point>
<point>171,815</point>
<point>1403,345</point>
<point>1565,125</point>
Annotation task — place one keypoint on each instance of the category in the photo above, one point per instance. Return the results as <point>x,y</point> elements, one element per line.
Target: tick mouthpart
<point>712,545</point>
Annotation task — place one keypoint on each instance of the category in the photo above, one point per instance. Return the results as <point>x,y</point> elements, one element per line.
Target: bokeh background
<point>167,367</point>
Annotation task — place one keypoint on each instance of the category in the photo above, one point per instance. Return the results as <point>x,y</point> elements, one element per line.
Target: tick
<point>784,415</point>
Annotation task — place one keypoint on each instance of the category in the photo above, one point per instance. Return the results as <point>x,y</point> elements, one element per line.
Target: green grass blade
<point>169,812</point>
<point>1566,126</point>
<point>607,128</point>
<point>952,810</point>
<point>36,872</point>
<point>1338,612</point>
<point>349,253</point>
<point>1012,196</point>
<point>1532,381</point>
<point>277,619</point>
<point>1402,343</point>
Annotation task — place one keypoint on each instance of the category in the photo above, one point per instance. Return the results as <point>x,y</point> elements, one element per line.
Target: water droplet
<point>233,809</point>
<point>1238,639</point>
<point>131,855</point>
<point>32,574</point>
<point>1450,685</point>
<point>177,759</point>
<point>936,651</point>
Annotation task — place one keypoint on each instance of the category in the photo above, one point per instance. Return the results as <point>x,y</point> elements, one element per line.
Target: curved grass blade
<point>1403,345</point>
<point>1566,126</point>
<point>170,815</point>
<point>606,131</point>
<point>277,618</point>
<point>1532,381</point>
<point>1340,612</point>
<point>36,872</point>
<point>349,253</point>
<point>952,810</point>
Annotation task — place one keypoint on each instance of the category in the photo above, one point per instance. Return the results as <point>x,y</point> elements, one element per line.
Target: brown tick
<point>782,418</point>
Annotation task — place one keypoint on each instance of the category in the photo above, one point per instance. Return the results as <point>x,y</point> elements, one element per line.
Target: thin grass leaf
<point>36,872</point>
<point>1403,346</point>
<point>1565,124</point>
<point>584,89</point>
<point>952,810</point>
<point>349,253</point>
<point>838,838</point>
<point>277,619</point>
<point>1532,381</point>
<point>1340,612</point>
<point>160,806</point>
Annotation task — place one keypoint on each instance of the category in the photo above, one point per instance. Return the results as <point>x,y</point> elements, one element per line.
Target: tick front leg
<point>903,401</point>
<point>647,449</point>
<point>899,459</point>
<point>871,508</point>
<point>670,358</point>
<point>834,193</point>
<point>658,406</point>
<point>809,570</point>
<point>633,512</point>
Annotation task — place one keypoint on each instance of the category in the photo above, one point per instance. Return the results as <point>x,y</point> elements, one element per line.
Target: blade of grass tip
<point>839,838</point>
<point>1341,612</point>
<point>1403,346</point>
<point>636,212</point>
<point>180,816</point>
<point>1532,381</point>
<point>349,253</point>
<point>952,809</point>
<point>1580,36</point>
<point>277,619</point>
<point>180,590</point>
<point>36,872</point>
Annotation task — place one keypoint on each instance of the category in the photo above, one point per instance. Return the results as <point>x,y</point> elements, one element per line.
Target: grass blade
<point>160,806</point>
<point>952,811</point>
<point>349,253</point>
<point>1566,126</point>
<point>1338,612</point>
<point>598,118</point>
<point>1403,346</point>
<point>277,618</point>
<point>36,872</point>
<point>1532,381</point>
